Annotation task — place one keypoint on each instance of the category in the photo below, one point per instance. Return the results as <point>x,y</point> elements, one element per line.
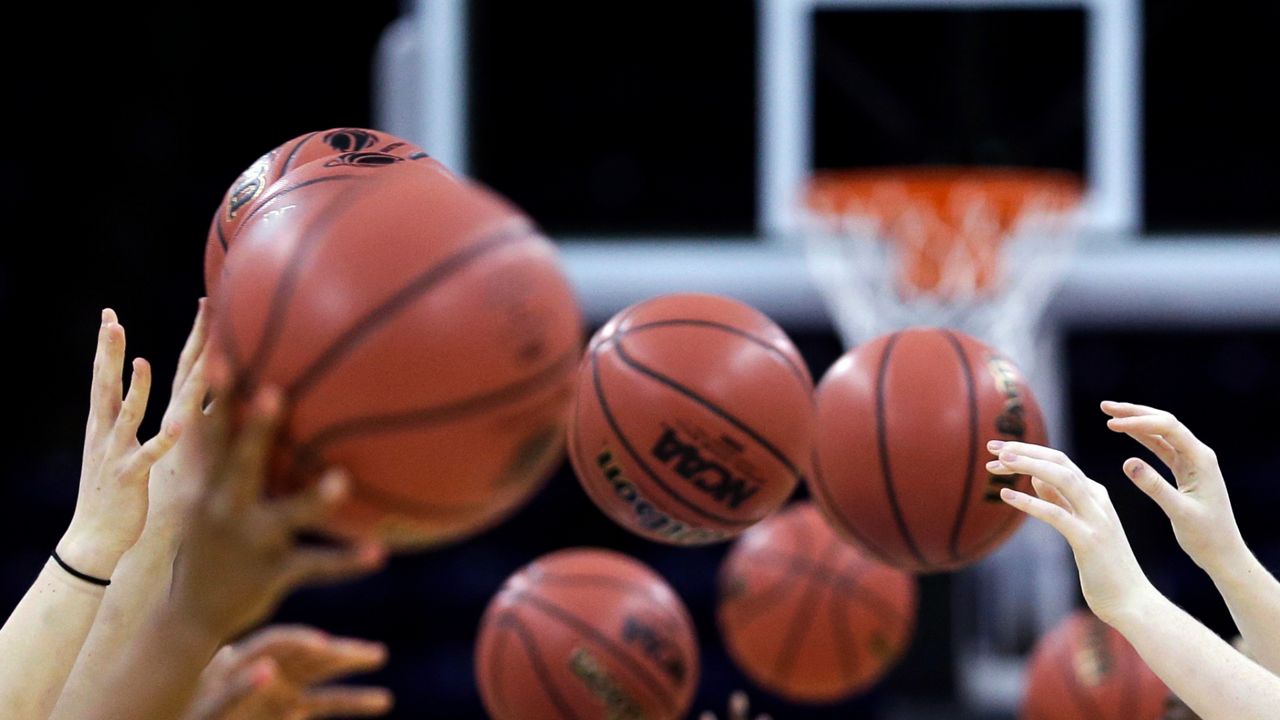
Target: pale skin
<point>237,558</point>
<point>1212,678</point>
<point>739,709</point>
<point>49,625</point>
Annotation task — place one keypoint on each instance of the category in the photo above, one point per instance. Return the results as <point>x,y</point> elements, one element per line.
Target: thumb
<point>1154,485</point>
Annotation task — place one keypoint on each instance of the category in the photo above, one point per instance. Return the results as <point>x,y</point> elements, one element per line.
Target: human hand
<point>1198,506</point>
<point>240,555</point>
<point>111,506</point>
<point>1080,509</point>
<point>739,709</point>
<point>276,674</point>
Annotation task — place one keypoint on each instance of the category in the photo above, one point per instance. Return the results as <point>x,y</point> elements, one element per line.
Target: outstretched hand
<point>1081,510</point>
<point>1198,506</point>
<point>279,673</point>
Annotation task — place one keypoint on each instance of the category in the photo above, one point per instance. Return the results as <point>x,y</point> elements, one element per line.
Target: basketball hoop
<point>977,249</point>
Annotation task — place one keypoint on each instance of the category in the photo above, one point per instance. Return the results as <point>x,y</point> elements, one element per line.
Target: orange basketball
<point>369,146</point>
<point>806,615</point>
<point>903,423</point>
<point>1084,670</point>
<point>693,418</point>
<point>586,633</point>
<point>425,337</point>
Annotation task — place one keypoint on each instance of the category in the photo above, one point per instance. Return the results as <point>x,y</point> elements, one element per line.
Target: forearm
<point>139,587</point>
<point>154,676</point>
<point>1253,596</point>
<point>1210,676</point>
<point>41,639</point>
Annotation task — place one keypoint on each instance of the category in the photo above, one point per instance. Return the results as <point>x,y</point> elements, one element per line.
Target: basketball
<point>586,633</point>
<point>903,422</point>
<point>1084,670</point>
<point>423,333</point>
<point>692,420</point>
<point>806,615</point>
<point>372,146</point>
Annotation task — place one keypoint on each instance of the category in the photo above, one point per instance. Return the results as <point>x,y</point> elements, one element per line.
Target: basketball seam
<point>767,598</point>
<point>971,393</point>
<point>801,621</point>
<point>576,623</point>
<point>848,584</point>
<point>708,405</point>
<point>539,665</point>
<point>494,670</point>
<point>882,443</point>
<point>844,525</point>
<point>288,162</point>
<point>372,320</point>
<point>547,579</point>
<point>801,374</point>
<point>846,651</point>
<point>217,225</point>
<point>635,456</point>
<point>285,191</point>
<point>1011,517</point>
<point>287,284</point>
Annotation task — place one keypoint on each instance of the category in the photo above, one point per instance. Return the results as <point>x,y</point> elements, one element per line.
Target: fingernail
<point>264,673</point>
<point>1008,457</point>
<point>104,315</point>
<point>1007,494</point>
<point>1134,468</point>
<point>333,485</point>
<point>995,445</point>
<point>995,465</point>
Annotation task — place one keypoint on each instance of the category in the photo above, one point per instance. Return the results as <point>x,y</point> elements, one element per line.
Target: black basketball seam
<point>288,161</point>
<point>844,525</point>
<point>767,598</point>
<point>494,669</point>
<point>707,405</point>
<point>576,623</point>
<point>846,650</point>
<point>539,665</point>
<point>1012,516</point>
<point>435,414</point>
<point>848,585</point>
<point>549,579</point>
<point>635,456</point>
<point>389,308</point>
<point>970,473</point>
<point>222,239</point>
<point>285,287</point>
<point>882,442</point>
<point>801,374</point>
<point>801,621</point>
<point>285,191</point>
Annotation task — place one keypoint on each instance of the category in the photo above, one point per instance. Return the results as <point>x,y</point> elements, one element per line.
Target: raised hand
<point>1198,506</point>
<point>1081,510</point>
<point>111,507</point>
<point>278,674</point>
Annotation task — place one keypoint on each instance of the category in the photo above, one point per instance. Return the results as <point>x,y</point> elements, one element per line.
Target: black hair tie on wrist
<point>77,574</point>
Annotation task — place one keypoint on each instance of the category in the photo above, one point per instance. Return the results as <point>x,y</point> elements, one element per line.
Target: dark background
<point>124,128</point>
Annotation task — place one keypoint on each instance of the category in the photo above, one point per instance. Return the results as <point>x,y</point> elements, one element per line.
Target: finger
<point>188,399</point>
<point>247,466</point>
<point>108,364</point>
<point>1031,450</point>
<point>1048,493</point>
<point>315,566</point>
<point>192,348</point>
<point>1073,486</point>
<point>1124,409</point>
<point>315,504</point>
<point>308,656</point>
<point>340,657</point>
<point>149,454</point>
<point>1164,425</point>
<point>707,715</point>
<point>738,705</point>
<point>134,406</point>
<point>1064,522</point>
<point>216,703</point>
<point>333,702</point>
<point>1155,486</point>
<point>1156,444</point>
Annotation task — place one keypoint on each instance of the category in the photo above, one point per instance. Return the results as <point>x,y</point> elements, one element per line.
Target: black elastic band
<point>77,574</point>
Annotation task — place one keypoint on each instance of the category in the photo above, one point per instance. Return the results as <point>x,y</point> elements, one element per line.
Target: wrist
<point>1235,571</point>
<point>1136,608</point>
<point>85,552</point>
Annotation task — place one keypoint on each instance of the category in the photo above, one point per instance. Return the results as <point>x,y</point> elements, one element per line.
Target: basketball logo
<point>345,140</point>
<point>364,159</point>
<point>249,185</point>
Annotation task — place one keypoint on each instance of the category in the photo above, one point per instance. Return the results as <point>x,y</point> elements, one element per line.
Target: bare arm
<point>1210,676</point>
<point>40,640</point>
<point>1199,509</point>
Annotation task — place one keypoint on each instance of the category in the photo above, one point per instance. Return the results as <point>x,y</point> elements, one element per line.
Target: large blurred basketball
<point>424,334</point>
<point>586,633</point>
<point>1084,670</point>
<point>692,420</point>
<point>806,615</point>
<point>903,423</point>
<point>367,146</point>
